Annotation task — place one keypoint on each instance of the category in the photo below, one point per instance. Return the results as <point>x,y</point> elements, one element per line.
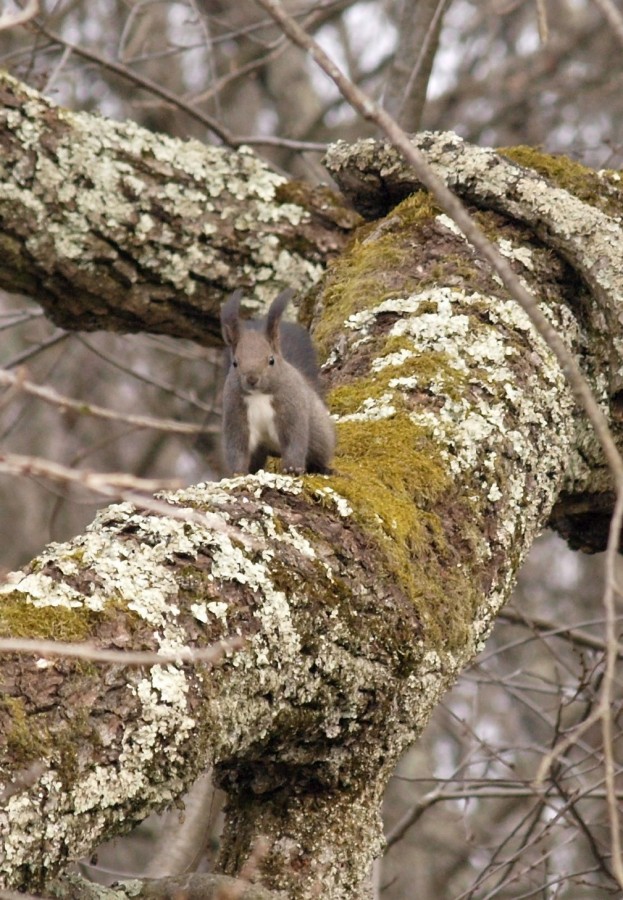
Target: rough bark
<point>360,598</point>
<point>112,227</point>
<point>576,213</point>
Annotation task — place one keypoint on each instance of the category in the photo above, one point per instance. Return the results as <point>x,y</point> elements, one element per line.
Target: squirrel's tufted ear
<point>273,319</point>
<point>230,318</point>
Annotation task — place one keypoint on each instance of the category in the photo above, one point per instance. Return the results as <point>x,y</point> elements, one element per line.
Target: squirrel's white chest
<point>262,423</point>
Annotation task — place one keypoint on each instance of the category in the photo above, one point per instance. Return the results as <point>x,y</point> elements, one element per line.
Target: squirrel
<point>272,403</point>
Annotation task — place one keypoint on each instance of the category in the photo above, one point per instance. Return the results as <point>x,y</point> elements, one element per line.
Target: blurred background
<point>462,817</point>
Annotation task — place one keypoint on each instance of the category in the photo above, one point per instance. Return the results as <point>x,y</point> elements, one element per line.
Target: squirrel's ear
<point>230,318</point>
<point>273,319</point>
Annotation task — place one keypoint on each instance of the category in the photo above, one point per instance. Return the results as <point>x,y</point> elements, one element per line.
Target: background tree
<point>204,70</point>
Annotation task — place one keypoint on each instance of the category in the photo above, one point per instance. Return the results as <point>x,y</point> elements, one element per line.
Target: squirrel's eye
<point>271,360</point>
<point>234,363</point>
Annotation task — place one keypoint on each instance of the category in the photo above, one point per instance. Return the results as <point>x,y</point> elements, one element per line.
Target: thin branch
<point>14,388</point>
<point>225,135</point>
<point>419,29</point>
<point>484,792</point>
<point>550,887</point>
<point>149,380</point>
<point>607,687</point>
<point>579,819</point>
<point>119,486</point>
<point>110,484</point>
<point>141,81</point>
<point>541,10</point>
<point>49,395</point>
<point>23,357</point>
<point>549,628</point>
<point>603,709</point>
<point>181,655</point>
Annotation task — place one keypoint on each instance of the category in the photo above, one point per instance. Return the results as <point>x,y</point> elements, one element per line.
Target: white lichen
<point>449,224</point>
<point>342,506</point>
<point>516,252</point>
<point>471,427</point>
<point>93,176</point>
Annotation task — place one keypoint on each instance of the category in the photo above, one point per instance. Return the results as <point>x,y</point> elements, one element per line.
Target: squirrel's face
<point>255,363</point>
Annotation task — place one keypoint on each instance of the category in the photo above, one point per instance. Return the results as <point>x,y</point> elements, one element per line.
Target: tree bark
<point>112,227</point>
<point>359,597</point>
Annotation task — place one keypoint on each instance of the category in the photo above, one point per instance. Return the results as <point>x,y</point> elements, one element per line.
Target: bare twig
<point>602,711</point>
<point>120,486</point>
<point>475,792</point>
<point>181,656</point>
<point>140,80</point>
<point>549,628</point>
<point>45,344</point>
<point>227,136</point>
<point>419,27</point>
<point>49,395</point>
<point>149,379</point>
<point>607,688</point>
<point>109,484</point>
<point>15,387</point>
<point>541,10</point>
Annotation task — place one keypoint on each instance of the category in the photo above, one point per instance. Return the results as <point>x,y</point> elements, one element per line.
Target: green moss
<point>579,180</point>
<point>27,740</point>
<point>391,473</point>
<point>397,456</point>
<point>375,265</point>
<point>427,369</point>
<point>391,470</point>
<point>418,209</point>
<point>19,618</point>
<point>23,742</point>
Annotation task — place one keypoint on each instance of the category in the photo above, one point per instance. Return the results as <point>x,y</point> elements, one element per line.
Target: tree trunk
<point>360,597</point>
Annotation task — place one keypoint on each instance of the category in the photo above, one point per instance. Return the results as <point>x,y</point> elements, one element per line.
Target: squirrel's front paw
<point>294,470</point>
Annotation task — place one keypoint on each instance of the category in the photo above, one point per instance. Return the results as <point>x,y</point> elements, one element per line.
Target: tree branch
<point>115,228</point>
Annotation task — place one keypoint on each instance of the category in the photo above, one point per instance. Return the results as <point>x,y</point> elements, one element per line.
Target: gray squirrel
<point>271,399</point>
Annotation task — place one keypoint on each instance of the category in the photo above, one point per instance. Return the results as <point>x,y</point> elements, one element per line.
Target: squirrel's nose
<point>252,380</point>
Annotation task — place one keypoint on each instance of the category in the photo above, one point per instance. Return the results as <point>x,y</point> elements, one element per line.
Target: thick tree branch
<point>587,235</point>
<point>585,230</point>
<point>111,227</point>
